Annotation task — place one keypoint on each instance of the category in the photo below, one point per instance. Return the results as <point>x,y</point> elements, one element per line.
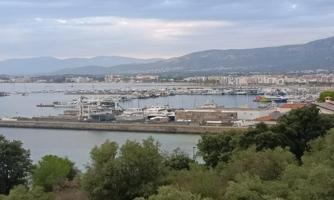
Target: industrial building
<point>206,116</point>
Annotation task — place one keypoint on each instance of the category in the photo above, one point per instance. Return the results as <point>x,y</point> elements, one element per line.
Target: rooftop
<point>293,105</point>
<point>326,105</point>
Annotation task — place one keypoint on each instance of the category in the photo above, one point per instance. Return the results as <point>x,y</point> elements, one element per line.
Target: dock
<point>127,127</point>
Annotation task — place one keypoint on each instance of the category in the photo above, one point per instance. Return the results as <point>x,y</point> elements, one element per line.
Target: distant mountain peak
<point>318,54</point>
<point>49,64</point>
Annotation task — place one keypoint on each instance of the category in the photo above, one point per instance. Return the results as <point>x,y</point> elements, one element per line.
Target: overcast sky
<point>156,28</point>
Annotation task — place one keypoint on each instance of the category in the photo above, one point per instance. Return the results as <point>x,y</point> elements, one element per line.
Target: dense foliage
<point>171,193</point>
<point>216,148</point>
<point>292,160</point>
<point>23,193</point>
<point>14,164</point>
<point>52,171</point>
<point>178,160</point>
<point>324,94</point>
<point>294,131</point>
<point>135,170</point>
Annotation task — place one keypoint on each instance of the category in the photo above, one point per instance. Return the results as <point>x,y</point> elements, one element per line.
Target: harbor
<point>124,127</point>
<point>149,105</point>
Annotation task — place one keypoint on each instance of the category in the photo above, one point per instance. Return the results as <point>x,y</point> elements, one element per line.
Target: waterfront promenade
<point>133,127</point>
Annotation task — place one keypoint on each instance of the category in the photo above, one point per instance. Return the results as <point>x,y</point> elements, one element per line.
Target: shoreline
<point>126,127</point>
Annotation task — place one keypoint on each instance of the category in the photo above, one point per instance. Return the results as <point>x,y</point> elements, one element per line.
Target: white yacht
<point>131,114</point>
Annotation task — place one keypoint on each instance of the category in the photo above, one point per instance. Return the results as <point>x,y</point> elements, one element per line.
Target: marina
<point>148,103</point>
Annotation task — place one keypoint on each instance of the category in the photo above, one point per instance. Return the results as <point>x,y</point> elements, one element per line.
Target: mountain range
<point>318,54</point>
<point>50,65</point>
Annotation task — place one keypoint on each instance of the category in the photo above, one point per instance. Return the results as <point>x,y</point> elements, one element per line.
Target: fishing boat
<point>262,99</point>
<point>280,100</point>
<point>45,105</point>
<point>160,119</point>
<point>268,99</point>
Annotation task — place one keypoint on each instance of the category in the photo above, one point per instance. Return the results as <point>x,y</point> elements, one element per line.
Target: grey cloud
<point>165,27</point>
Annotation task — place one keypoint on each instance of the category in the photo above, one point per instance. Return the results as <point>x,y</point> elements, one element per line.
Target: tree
<point>217,148</point>
<point>308,182</point>
<point>178,160</point>
<point>198,180</point>
<point>293,130</point>
<point>314,179</point>
<point>171,193</point>
<point>23,193</point>
<point>136,170</point>
<point>267,164</point>
<point>15,164</point>
<point>321,151</point>
<point>299,127</point>
<point>52,171</point>
<point>262,137</point>
<point>247,187</point>
<point>324,94</point>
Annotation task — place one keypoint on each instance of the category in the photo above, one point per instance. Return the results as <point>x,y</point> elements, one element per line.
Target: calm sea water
<point>25,106</point>
<point>76,145</point>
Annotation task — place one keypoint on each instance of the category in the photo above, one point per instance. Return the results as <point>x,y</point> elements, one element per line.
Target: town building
<point>266,79</point>
<point>287,107</point>
<point>211,116</point>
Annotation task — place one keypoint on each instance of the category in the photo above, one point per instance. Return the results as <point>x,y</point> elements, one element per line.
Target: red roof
<point>293,105</point>
<point>265,118</point>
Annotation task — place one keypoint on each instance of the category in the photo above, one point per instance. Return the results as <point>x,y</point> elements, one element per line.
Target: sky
<point>156,28</point>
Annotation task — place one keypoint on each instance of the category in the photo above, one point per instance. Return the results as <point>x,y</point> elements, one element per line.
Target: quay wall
<point>131,127</point>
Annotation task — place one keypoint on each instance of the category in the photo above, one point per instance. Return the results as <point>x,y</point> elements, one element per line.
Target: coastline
<point>126,127</point>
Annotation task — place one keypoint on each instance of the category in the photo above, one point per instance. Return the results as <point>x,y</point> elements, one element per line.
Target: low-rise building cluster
<point>137,78</point>
<point>244,80</point>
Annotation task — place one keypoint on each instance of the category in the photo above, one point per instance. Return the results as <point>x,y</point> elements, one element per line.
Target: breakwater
<point>133,127</point>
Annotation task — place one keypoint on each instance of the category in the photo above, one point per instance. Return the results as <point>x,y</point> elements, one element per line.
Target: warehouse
<point>206,116</point>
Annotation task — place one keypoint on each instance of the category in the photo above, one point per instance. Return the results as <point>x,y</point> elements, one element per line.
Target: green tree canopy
<point>321,151</point>
<point>136,170</point>
<point>15,164</point>
<point>268,164</point>
<point>313,179</point>
<point>299,127</point>
<point>248,187</point>
<point>261,136</point>
<point>23,193</point>
<point>324,94</point>
<point>198,180</point>
<point>52,171</point>
<point>293,130</point>
<point>171,193</point>
<point>178,160</point>
<point>217,148</point>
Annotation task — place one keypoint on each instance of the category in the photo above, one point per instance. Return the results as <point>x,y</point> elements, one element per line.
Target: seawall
<point>131,127</point>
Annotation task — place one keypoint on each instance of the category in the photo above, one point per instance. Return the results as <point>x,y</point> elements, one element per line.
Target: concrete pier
<point>131,127</point>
